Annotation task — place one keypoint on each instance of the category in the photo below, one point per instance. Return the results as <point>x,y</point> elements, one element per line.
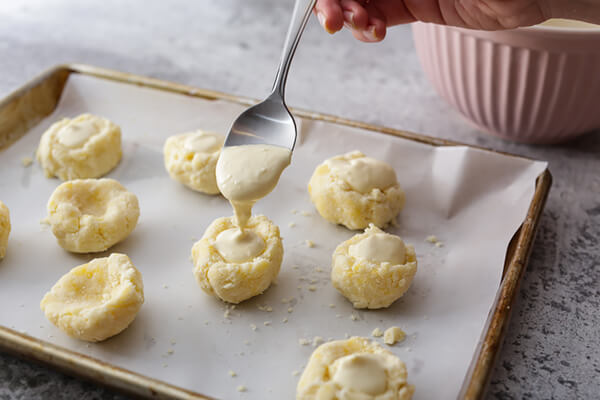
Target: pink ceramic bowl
<point>531,85</point>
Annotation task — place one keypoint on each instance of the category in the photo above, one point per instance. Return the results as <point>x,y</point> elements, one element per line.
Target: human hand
<point>368,19</point>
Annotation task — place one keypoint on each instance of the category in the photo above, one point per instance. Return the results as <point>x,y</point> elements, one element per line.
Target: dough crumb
<point>303,342</point>
<point>241,388</point>
<point>26,161</point>
<point>434,240</point>
<point>305,214</point>
<point>290,309</point>
<point>253,327</point>
<point>377,332</point>
<point>292,224</point>
<point>295,373</point>
<point>312,288</point>
<point>431,239</point>
<point>318,269</point>
<point>265,308</point>
<point>317,340</point>
<point>232,374</point>
<point>309,243</point>
<point>393,335</point>
<point>285,320</point>
<point>354,317</point>
<point>332,305</point>
<point>267,323</point>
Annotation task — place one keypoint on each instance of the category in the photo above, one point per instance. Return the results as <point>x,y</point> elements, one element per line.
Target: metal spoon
<point>270,122</point>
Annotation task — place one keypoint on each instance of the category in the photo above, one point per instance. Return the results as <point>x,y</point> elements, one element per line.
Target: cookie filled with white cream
<point>235,265</point>
<point>355,368</point>
<point>238,257</point>
<point>87,146</point>
<point>373,269</point>
<point>355,190</point>
<point>191,159</point>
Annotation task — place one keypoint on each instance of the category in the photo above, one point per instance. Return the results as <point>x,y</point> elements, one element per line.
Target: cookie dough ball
<point>355,368</point>
<point>85,147</point>
<point>191,158</point>
<point>91,215</point>
<point>235,266</point>
<point>97,300</point>
<point>4,229</point>
<point>373,269</point>
<point>355,190</point>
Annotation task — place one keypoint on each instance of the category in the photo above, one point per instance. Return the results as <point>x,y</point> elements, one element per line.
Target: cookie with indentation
<point>97,300</point>
<point>91,215</point>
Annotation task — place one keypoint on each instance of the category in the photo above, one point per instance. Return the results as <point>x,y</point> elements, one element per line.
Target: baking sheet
<point>472,200</point>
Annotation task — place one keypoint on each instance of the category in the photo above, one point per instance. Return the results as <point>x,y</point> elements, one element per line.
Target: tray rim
<point>100,372</point>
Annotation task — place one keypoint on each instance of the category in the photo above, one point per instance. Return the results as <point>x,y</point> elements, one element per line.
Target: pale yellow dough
<point>4,229</point>
<point>97,300</point>
<point>91,215</point>
<point>235,282</point>
<point>356,206</point>
<point>87,146</point>
<point>354,369</point>
<point>191,159</point>
<point>368,283</point>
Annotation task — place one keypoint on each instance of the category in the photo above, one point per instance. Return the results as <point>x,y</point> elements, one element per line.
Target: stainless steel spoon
<point>270,122</point>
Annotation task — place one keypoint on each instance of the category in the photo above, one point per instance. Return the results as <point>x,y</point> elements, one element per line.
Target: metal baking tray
<point>27,106</point>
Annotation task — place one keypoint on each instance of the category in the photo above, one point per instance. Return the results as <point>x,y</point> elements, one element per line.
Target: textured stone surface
<point>552,349</point>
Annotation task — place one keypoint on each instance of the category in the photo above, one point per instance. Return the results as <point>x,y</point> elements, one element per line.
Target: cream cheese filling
<point>363,373</point>
<point>236,245</point>
<point>363,174</point>
<point>203,142</point>
<point>380,247</point>
<point>77,133</point>
<point>248,173</point>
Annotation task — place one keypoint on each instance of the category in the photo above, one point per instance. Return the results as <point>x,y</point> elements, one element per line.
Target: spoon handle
<point>297,24</point>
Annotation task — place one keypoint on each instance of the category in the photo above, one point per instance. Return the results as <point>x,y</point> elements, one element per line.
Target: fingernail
<point>349,19</point>
<point>369,33</point>
<point>323,23</point>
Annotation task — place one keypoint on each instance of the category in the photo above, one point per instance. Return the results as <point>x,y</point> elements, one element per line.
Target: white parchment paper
<point>472,200</point>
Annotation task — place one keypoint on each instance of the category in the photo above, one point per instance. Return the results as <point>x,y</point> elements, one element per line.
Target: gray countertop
<point>552,348</point>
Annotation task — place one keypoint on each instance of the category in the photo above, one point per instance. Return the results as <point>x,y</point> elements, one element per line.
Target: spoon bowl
<point>270,122</point>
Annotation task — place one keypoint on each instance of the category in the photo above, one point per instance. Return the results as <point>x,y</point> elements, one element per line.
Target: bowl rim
<point>536,30</point>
